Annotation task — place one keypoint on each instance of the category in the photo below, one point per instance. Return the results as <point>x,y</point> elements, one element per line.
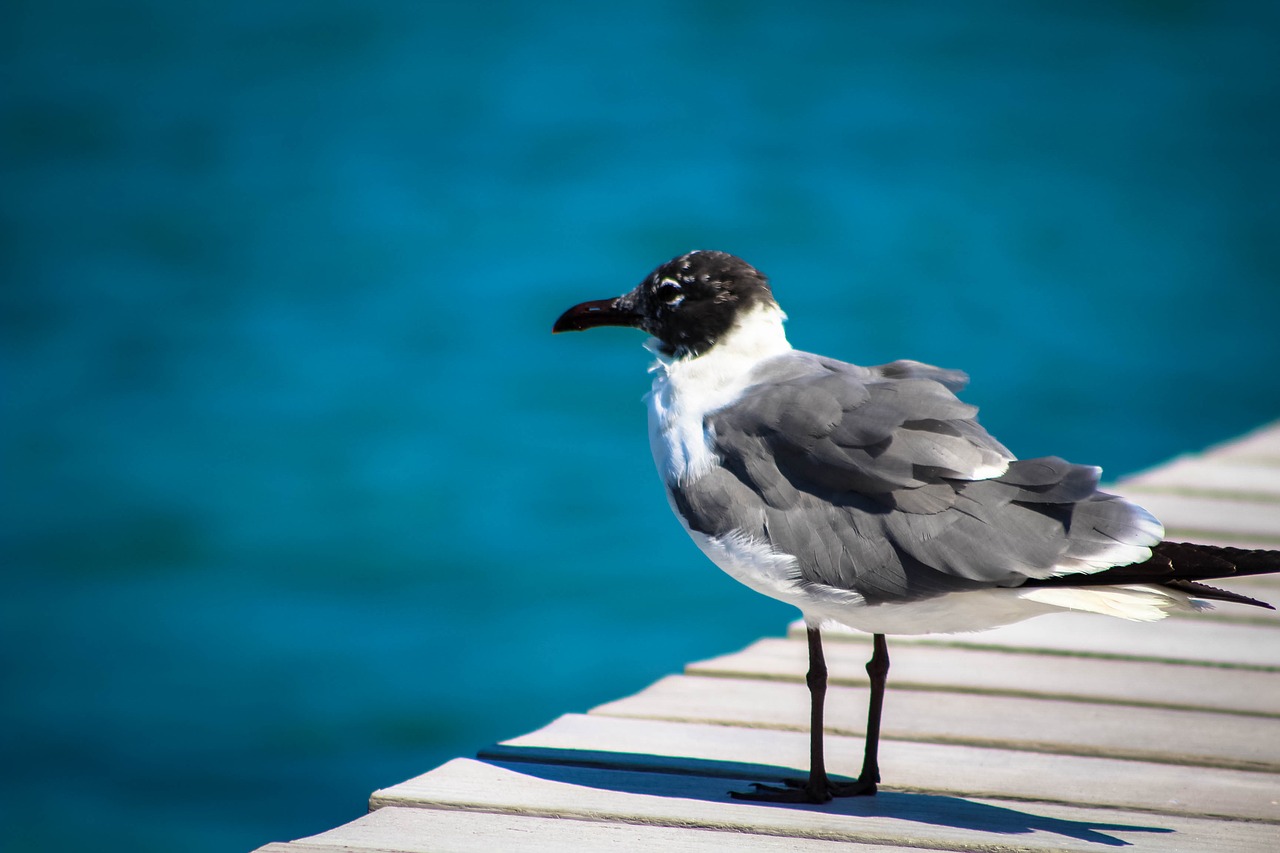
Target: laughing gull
<point>870,496</point>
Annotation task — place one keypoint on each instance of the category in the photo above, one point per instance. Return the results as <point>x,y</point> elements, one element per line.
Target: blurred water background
<point>300,496</point>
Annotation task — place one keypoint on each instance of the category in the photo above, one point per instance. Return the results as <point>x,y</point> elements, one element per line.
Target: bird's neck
<point>686,390</point>
<point>756,336</point>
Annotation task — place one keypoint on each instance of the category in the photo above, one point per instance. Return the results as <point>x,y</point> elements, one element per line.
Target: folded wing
<point>880,481</point>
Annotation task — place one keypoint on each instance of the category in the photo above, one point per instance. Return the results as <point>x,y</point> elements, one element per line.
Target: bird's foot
<point>806,791</point>
<point>857,788</point>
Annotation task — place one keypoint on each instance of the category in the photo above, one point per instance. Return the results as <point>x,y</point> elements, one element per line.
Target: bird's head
<point>688,304</point>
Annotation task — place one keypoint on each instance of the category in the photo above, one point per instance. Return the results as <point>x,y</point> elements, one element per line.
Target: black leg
<point>878,674</point>
<point>818,788</point>
<point>816,678</point>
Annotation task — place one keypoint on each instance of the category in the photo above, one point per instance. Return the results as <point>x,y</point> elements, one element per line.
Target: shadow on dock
<point>712,781</point>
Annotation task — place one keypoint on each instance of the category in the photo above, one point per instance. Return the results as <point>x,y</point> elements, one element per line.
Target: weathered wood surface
<point>1068,732</point>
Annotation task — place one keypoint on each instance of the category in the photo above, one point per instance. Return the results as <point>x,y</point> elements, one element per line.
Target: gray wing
<point>880,481</point>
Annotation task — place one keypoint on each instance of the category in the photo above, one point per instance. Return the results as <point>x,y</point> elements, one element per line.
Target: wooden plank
<point>1266,587</point>
<point>889,821</point>
<point>1173,640</point>
<point>1193,738</point>
<point>1261,446</point>
<point>1184,516</point>
<point>701,750</point>
<point>1228,477</point>
<point>433,830</point>
<point>1012,673</point>
<point>1229,495</point>
<point>1211,537</point>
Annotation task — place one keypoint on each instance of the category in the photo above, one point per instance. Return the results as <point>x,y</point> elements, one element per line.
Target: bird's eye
<point>669,292</point>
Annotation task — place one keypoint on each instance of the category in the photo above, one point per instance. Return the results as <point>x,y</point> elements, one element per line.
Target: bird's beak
<point>619,311</point>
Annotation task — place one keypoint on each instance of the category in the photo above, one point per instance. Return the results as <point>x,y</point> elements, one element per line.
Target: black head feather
<point>690,302</point>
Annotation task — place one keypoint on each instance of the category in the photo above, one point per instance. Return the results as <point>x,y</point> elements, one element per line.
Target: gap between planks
<point>1051,726</point>
<point>1012,672</point>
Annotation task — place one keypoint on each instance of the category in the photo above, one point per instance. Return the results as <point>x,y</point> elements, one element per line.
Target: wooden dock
<point>1070,732</point>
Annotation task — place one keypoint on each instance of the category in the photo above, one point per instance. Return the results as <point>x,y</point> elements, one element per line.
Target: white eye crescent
<point>669,291</point>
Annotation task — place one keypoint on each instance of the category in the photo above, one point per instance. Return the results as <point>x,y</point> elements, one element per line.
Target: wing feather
<point>881,481</point>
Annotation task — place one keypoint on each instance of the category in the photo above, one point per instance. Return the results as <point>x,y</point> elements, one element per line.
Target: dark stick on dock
<point>1066,732</point>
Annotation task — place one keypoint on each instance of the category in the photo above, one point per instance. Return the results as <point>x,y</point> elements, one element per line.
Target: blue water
<point>301,498</point>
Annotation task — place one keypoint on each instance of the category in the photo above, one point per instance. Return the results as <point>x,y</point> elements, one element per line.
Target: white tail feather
<point>1137,602</point>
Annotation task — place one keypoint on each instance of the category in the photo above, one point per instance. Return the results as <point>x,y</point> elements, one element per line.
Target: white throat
<point>686,390</point>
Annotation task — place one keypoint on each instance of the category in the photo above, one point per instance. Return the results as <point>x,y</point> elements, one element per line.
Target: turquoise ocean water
<point>300,496</point>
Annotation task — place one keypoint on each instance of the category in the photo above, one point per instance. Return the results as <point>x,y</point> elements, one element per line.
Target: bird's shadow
<point>712,781</point>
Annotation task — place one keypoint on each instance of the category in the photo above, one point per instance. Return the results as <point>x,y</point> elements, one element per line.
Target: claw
<point>801,791</point>
<point>857,788</point>
<point>792,791</point>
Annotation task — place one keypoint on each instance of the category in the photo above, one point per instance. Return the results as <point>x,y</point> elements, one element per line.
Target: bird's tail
<point>1182,566</point>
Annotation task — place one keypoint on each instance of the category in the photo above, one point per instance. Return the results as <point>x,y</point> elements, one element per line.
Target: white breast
<point>685,391</point>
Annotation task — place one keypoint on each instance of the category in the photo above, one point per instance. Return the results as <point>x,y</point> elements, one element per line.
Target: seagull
<point>870,497</point>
